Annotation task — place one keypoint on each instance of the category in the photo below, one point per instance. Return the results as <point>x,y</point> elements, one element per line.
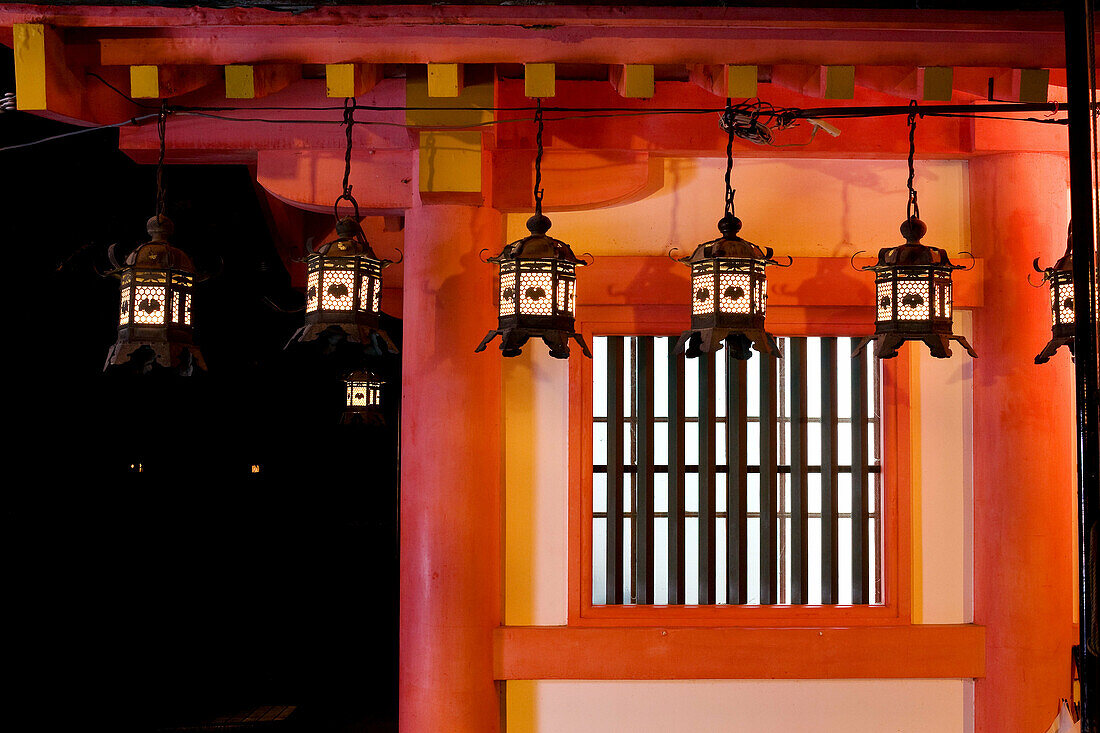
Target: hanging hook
<point>1039,284</point>
<point>162,129</point>
<point>912,208</point>
<point>671,254</point>
<point>852,260</point>
<point>973,262</point>
<point>538,156</point>
<point>349,124</point>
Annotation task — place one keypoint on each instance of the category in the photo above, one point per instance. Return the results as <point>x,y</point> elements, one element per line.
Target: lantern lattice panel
<point>313,284</point>
<point>884,291</point>
<point>124,308</point>
<point>507,290</point>
<point>376,295</point>
<point>363,394</point>
<point>734,289</point>
<point>912,300</point>
<point>338,290</point>
<point>702,299</point>
<point>149,305</point>
<point>187,309</point>
<point>1061,300</point>
<point>762,297</point>
<point>535,290</point>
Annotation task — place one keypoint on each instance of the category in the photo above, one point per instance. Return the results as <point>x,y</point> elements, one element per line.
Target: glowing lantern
<point>1062,319</point>
<point>344,290</point>
<point>913,296</point>
<point>729,295</point>
<point>154,326</point>
<point>364,398</point>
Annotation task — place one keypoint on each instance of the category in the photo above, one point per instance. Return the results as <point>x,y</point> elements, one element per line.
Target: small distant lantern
<point>1062,318</point>
<point>344,290</point>
<point>537,295</point>
<point>913,285</point>
<point>155,321</point>
<point>363,398</point>
<point>729,295</point>
<point>913,296</point>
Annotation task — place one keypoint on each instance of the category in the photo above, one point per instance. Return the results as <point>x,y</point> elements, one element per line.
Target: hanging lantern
<point>913,287</point>
<point>1062,321</point>
<point>154,325</point>
<point>364,399</point>
<point>537,294</point>
<point>344,276</point>
<point>729,295</point>
<point>729,285</point>
<point>156,283</point>
<point>344,290</point>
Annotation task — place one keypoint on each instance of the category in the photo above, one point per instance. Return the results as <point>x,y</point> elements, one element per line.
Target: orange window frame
<point>667,314</point>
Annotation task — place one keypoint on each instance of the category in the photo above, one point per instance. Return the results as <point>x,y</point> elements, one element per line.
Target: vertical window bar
<point>768,519</point>
<point>830,546</point>
<point>800,521</point>
<point>643,483</point>
<point>737,450</point>
<point>677,566</point>
<point>707,482</point>
<point>613,575</point>
<point>860,560</point>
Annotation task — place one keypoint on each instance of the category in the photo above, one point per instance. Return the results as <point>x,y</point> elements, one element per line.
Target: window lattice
<point>695,502</point>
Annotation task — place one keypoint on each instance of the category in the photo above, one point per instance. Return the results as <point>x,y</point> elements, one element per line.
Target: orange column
<point>450,474</point>
<point>1024,571</point>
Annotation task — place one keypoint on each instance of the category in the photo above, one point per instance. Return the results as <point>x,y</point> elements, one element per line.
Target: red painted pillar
<point>450,474</point>
<point>1024,571</point>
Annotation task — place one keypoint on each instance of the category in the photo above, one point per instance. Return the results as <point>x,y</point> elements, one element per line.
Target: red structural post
<point>1024,490</point>
<point>450,474</point>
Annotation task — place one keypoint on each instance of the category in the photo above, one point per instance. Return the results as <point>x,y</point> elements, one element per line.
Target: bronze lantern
<point>537,294</point>
<point>1062,319</point>
<point>155,321</point>
<point>729,295</point>
<point>344,290</point>
<point>363,403</point>
<point>537,288</point>
<point>913,296</point>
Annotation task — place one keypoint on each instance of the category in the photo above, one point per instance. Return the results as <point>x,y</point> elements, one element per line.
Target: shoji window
<point>717,481</point>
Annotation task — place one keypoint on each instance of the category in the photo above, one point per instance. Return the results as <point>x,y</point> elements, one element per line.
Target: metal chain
<point>162,126</point>
<point>349,124</point>
<point>729,157</point>
<point>538,156</point>
<point>912,209</point>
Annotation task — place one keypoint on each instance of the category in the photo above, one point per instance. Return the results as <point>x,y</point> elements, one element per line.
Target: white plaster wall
<point>803,207</point>
<point>756,706</point>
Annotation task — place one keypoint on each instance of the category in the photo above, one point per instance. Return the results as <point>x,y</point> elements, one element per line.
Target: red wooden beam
<point>910,652</point>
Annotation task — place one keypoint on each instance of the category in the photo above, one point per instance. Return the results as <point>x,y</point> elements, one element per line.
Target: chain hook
<point>538,156</point>
<point>349,124</point>
<point>912,209</point>
<point>162,128</point>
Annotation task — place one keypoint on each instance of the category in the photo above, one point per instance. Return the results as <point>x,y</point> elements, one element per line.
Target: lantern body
<point>344,291</point>
<point>363,401</point>
<point>156,285</point>
<point>729,295</point>
<point>1062,316</point>
<point>913,297</point>
<point>537,293</point>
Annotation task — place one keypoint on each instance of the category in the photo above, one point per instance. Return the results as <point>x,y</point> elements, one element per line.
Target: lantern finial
<point>913,229</point>
<point>160,228</point>
<point>729,225</point>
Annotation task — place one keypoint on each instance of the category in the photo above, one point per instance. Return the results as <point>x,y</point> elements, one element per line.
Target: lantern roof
<point>537,245</point>
<point>361,375</point>
<point>729,245</point>
<point>349,242</point>
<point>913,253</point>
<point>158,254</point>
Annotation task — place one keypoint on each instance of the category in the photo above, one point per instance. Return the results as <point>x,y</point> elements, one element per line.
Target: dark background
<point>194,588</point>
